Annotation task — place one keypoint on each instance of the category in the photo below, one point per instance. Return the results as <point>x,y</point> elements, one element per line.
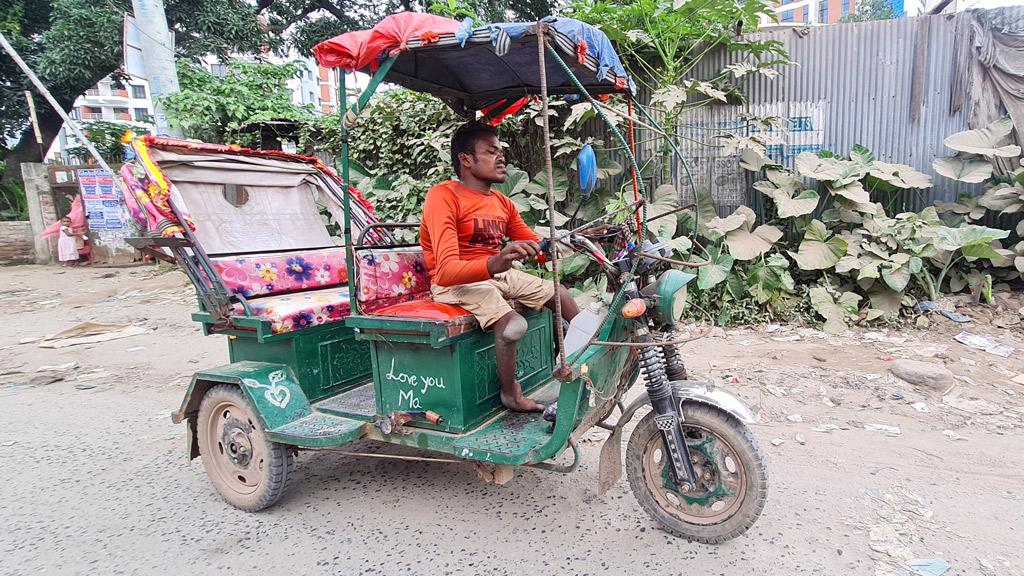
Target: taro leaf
<point>836,171</point>
<point>985,141</point>
<point>896,276</point>
<point>716,271</point>
<point>574,264</point>
<point>779,261</point>
<point>873,314</point>
<point>854,192</point>
<point>734,284</point>
<point>869,268</point>
<point>835,314</point>
<point>964,169</point>
<point>515,182</point>
<point>885,300</point>
<point>900,175</point>
<point>705,210</point>
<point>818,251</point>
<point>781,186</point>
<point>682,244</point>
<point>539,185</point>
<point>973,240</point>
<point>847,263</point>
<point>725,225</point>
<point>744,245</point>
<point>666,199</point>
<point>753,159</point>
<point>861,155</point>
<point>763,283</point>
<point>1002,197</point>
<point>522,203</point>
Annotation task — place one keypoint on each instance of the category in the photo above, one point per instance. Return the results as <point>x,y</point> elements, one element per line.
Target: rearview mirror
<point>586,170</point>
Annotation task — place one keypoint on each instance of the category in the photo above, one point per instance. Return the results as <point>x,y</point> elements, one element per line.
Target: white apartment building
<point>131,105</point>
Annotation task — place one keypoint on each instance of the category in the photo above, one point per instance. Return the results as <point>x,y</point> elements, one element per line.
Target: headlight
<point>670,291</point>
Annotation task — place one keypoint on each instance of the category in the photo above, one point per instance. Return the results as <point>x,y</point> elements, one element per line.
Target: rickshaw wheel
<point>249,471</point>
<point>732,479</point>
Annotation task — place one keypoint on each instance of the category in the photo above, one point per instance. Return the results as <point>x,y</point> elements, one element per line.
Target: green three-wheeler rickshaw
<point>332,344</point>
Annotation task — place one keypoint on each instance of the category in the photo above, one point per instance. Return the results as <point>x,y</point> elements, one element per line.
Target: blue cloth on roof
<point>598,44</point>
<point>464,31</point>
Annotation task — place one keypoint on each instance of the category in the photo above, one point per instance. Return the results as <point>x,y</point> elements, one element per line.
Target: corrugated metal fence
<point>885,85</point>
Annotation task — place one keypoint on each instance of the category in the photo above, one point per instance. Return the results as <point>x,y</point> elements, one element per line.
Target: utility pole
<point>158,58</point>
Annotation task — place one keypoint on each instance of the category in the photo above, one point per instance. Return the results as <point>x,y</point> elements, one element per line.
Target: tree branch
<point>262,5</point>
<point>330,7</point>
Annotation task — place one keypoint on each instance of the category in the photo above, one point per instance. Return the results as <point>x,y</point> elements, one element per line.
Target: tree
<point>73,44</point>
<point>871,10</point>
<point>236,107</point>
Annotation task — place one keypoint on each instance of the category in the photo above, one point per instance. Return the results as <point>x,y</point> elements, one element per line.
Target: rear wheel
<point>248,470</point>
<point>732,482</point>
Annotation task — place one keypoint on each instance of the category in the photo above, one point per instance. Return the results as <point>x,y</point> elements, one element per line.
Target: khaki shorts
<point>487,300</point>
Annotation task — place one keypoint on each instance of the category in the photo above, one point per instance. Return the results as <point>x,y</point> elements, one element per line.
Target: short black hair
<point>465,138</point>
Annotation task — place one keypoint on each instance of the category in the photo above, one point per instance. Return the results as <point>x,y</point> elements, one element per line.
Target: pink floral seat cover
<point>253,275</point>
<point>390,276</point>
<point>295,311</point>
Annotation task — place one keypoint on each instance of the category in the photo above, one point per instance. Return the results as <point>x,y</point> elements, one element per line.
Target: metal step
<point>319,430</point>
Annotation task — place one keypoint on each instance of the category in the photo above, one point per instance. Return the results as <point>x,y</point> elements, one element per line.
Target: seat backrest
<point>388,276</point>
<point>252,275</point>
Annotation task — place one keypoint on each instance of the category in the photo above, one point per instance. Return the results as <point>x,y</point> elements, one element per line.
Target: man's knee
<point>514,329</point>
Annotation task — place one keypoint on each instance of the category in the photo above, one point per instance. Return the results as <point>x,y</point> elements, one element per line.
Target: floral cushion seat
<point>389,276</point>
<point>253,275</point>
<point>295,311</point>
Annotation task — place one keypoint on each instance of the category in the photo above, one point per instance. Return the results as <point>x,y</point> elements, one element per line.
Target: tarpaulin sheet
<point>364,48</point>
<point>471,68</point>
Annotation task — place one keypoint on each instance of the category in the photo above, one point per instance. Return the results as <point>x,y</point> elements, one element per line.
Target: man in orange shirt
<point>465,222</point>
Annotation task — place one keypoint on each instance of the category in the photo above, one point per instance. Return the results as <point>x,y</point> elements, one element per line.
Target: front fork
<point>668,413</point>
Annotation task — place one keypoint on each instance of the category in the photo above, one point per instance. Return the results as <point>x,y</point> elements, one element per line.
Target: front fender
<point>706,393</point>
<point>272,388</point>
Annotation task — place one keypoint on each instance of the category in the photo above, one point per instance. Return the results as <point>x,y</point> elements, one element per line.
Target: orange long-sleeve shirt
<point>461,228</point>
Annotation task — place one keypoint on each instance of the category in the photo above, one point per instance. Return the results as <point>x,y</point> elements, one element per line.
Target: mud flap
<point>609,468</point>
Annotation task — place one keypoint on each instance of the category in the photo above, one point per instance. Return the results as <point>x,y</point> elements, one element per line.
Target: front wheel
<point>732,482</point>
<point>248,470</point>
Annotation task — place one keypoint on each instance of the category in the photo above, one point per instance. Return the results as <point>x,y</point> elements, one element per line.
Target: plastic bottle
<point>584,326</point>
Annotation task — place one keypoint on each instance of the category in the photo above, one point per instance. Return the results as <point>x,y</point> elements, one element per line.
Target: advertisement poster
<point>100,200</point>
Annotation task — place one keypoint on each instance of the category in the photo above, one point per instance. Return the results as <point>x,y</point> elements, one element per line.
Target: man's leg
<point>569,307</point>
<point>508,330</point>
<point>486,301</point>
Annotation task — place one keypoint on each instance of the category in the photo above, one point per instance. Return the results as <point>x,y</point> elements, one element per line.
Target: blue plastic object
<point>586,168</point>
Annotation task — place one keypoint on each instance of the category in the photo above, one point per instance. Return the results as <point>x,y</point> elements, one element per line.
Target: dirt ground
<point>94,478</point>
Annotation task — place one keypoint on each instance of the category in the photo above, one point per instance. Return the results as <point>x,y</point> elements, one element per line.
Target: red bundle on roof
<point>363,48</point>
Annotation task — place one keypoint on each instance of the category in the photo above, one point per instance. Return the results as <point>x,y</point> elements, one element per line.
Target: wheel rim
<point>721,478</point>
<point>237,454</point>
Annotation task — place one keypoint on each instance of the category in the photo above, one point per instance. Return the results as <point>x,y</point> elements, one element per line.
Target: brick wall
<point>16,242</point>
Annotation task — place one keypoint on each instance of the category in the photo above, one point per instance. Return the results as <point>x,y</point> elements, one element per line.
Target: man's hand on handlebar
<point>513,251</point>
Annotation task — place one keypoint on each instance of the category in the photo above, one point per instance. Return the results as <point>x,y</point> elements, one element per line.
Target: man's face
<point>488,163</point>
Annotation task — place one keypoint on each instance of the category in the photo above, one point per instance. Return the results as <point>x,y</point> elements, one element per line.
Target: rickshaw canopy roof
<point>472,68</point>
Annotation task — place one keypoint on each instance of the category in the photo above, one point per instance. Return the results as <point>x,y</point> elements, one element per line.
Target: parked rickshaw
<point>332,344</point>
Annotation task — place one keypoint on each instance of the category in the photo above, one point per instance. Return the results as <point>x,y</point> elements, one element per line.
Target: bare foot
<point>520,403</point>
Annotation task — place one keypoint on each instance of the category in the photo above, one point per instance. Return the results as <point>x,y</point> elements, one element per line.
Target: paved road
<point>95,481</point>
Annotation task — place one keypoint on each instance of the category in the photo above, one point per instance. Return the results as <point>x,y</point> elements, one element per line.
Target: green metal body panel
<point>458,381</point>
<point>326,359</point>
<point>272,388</point>
<point>476,427</point>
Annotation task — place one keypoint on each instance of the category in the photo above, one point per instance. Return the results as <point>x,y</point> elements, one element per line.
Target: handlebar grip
<point>545,251</point>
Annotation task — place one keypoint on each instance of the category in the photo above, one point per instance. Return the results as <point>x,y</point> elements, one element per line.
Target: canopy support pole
<point>561,371</point>
<point>347,197</point>
<point>350,117</point>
